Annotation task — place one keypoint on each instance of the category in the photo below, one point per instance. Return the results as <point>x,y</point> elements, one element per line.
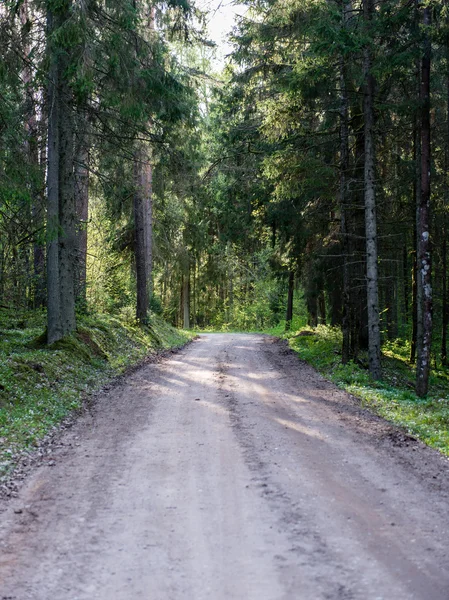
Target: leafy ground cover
<point>40,385</point>
<point>392,398</point>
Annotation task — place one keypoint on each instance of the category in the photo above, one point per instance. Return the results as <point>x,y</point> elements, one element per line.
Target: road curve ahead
<point>229,471</point>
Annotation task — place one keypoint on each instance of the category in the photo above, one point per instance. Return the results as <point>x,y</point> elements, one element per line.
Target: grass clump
<point>392,398</point>
<point>40,385</point>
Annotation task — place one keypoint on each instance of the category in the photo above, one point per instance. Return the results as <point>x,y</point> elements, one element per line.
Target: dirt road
<point>229,471</point>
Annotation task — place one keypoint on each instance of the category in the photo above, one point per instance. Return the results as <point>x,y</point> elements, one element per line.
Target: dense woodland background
<point>308,177</point>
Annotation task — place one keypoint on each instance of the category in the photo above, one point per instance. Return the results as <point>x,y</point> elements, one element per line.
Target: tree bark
<point>194,300</point>
<point>143,211</point>
<point>186,301</point>
<point>423,223</point>
<point>54,328</point>
<point>61,212</point>
<point>416,320</point>
<point>445,307</point>
<point>417,290</point>
<point>39,212</point>
<point>82,157</point>
<point>291,289</point>
<point>67,239</point>
<point>32,152</point>
<point>344,169</point>
<point>322,308</point>
<point>405,286</point>
<point>312,309</point>
<point>148,207</point>
<point>141,237</point>
<point>445,315</point>
<point>370,208</point>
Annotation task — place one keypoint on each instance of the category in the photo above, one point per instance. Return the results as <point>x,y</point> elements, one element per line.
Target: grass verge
<point>392,398</point>
<point>40,385</point>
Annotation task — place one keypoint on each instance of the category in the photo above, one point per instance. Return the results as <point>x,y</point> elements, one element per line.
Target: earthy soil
<point>230,470</point>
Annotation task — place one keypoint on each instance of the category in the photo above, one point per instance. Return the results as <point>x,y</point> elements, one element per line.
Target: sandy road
<point>229,471</point>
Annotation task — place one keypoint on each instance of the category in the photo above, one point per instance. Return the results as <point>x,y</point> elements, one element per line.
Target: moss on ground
<point>392,398</point>
<point>41,385</point>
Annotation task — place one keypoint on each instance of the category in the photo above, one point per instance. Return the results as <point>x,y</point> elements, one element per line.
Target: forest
<point>302,183</point>
<point>224,300</point>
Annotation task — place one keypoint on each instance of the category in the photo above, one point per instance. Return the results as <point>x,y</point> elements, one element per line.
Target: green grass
<point>40,385</point>
<point>392,398</point>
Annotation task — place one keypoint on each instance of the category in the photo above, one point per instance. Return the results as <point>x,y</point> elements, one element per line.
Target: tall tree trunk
<point>414,307</point>
<point>423,224</point>
<point>39,212</point>
<point>194,291</point>
<point>291,289</point>
<point>417,290</point>
<point>148,207</point>
<point>38,255</point>
<point>416,321</point>
<point>186,301</point>
<point>82,212</point>
<point>405,286</point>
<point>445,312</point>
<point>322,308</point>
<point>445,307</point>
<point>54,327</point>
<point>335,301</point>
<point>32,152</point>
<point>67,241</point>
<point>143,208</point>
<point>312,309</point>
<point>61,211</point>
<point>141,221</point>
<point>370,208</point>
<point>344,170</point>
<point>231,290</point>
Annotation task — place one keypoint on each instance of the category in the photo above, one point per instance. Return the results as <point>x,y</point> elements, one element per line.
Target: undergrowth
<point>41,385</point>
<point>392,398</point>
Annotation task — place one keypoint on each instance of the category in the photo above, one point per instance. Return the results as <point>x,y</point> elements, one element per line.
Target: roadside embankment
<point>393,397</point>
<point>42,386</point>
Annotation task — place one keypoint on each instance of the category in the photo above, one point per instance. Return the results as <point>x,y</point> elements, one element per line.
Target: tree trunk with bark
<point>148,178</point>
<point>142,232</point>
<point>445,307</point>
<point>61,210</point>
<point>322,308</point>
<point>54,327</point>
<point>416,289</point>
<point>312,309</point>
<point>416,196</point>
<point>194,289</point>
<point>81,182</point>
<point>344,168</point>
<point>186,301</point>
<point>370,208</point>
<point>36,169</point>
<point>143,210</point>
<point>39,212</point>
<point>445,312</point>
<point>67,238</point>
<point>405,287</point>
<point>423,223</point>
<point>291,289</point>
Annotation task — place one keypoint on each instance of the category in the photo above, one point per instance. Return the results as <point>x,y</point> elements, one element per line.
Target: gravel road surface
<point>229,471</point>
